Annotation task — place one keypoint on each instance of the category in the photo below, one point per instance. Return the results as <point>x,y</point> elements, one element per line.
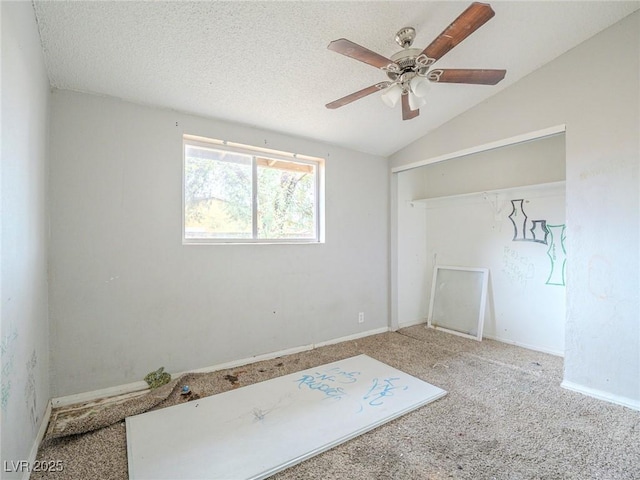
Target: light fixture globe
<point>391,95</point>
<point>420,86</point>
<point>416,102</point>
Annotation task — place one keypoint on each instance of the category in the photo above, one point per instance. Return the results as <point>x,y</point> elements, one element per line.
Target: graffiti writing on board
<point>336,383</point>
<point>341,376</point>
<point>259,414</point>
<point>381,389</point>
<point>322,383</point>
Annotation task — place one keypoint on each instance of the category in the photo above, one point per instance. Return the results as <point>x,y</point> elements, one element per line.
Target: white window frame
<point>197,141</point>
<point>453,287</point>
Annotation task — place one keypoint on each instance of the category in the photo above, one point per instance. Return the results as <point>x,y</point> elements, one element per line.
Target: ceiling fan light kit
<point>391,95</point>
<point>415,102</point>
<point>409,69</point>
<point>420,86</point>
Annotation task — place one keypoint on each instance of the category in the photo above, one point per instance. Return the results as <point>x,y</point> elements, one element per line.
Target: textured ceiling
<point>266,64</point>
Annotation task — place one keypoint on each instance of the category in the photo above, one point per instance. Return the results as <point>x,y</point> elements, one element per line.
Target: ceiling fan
<point>410,71</point>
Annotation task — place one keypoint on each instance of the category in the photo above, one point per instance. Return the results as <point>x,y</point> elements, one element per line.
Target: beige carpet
<point>505,417</point>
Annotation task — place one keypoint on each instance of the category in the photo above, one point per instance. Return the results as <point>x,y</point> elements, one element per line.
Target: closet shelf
<point>541,189</point>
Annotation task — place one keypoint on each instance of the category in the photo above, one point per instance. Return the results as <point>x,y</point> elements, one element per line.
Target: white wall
<point>593,89</point>
<point>459,225</point>
<point>127,297</point>
<point>412,261</point>
<point>527,163</point>
<point>525,302</point>
<point>23,308</point>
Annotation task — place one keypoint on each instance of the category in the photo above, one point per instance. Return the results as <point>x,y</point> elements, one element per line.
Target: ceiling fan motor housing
<point>406,60</point>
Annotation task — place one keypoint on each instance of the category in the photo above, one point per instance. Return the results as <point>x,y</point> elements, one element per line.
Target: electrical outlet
<point>361,317</point>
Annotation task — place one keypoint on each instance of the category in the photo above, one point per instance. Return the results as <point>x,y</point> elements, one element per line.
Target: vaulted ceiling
<point>266,63</point>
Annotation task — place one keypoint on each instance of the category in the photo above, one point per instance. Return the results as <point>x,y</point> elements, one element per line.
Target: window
<point>239,194</point>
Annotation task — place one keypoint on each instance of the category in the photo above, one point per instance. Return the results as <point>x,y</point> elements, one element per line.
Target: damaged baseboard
<point>97,394</point>
<point>142,385</point>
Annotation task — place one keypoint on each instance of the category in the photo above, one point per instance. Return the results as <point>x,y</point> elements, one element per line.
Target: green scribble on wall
<point>7,359</point>
<point>557,254</point>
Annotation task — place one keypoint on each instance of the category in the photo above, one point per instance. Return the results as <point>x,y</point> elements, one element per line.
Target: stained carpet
<point>505,417</point>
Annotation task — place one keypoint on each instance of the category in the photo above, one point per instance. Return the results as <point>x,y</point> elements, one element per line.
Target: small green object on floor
<point>157,378</point>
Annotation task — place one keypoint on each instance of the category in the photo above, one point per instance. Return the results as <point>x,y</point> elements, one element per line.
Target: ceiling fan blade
<point>476,15</point>
<point>353,50</point>
<point>467,75</point>
<point>407,113</point>
<point>341,102</point>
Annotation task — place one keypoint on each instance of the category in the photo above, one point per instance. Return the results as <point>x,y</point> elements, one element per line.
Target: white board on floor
<point>258,430</point>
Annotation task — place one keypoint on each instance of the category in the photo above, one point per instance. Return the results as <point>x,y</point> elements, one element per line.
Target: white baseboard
<point>557,353</point>
<point>142,385</point>
<point>525,345</point>
<point>245,361</point>
<point>420,321</point>
<point>601,395</point>
<point>355,336</point>
<point>44,423</point>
